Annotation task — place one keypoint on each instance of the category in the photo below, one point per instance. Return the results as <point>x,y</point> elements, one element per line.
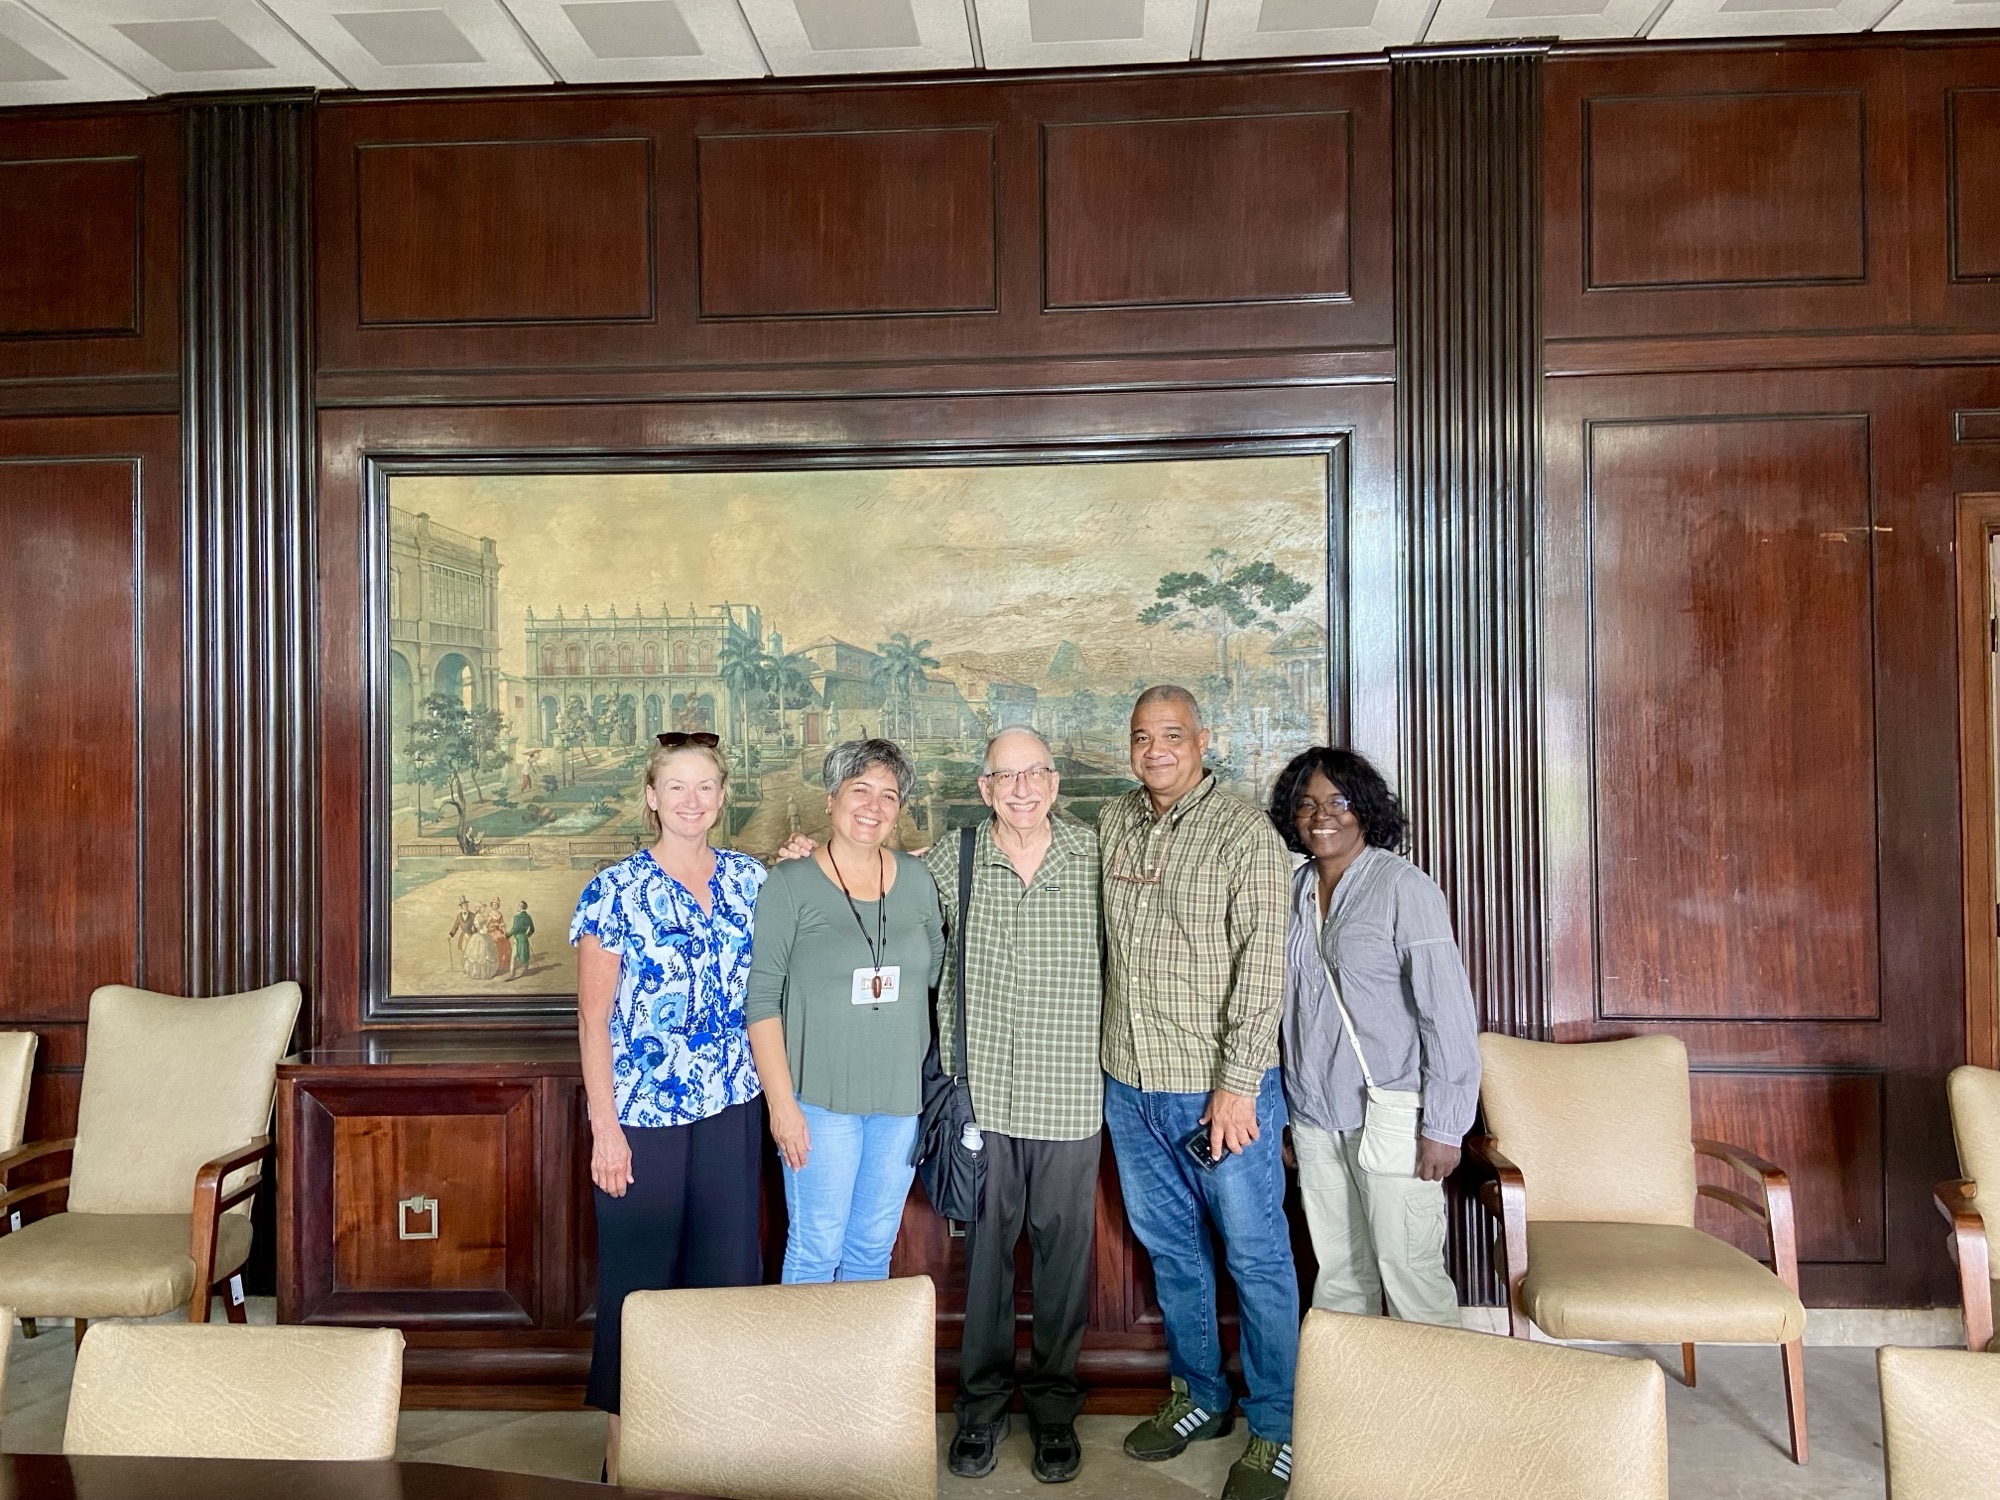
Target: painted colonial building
<point>444,615</point>
<point>642,672</point>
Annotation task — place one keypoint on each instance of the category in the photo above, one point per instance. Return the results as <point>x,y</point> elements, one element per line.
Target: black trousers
<point>1050,1187</point>
<point>688,1219</point>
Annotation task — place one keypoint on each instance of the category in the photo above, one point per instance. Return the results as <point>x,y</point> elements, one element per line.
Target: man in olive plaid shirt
<point>1196,901</point>
<point>1034,990</point>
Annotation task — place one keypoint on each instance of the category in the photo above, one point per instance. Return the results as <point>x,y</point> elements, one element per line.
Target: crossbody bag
<point>1390,1124</point>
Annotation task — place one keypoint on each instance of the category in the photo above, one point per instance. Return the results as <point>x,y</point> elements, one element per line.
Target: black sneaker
<point>1178,1422</point>
<point>1264,1472</point>
<point>1058,1454</point>
<point>976,1448</point>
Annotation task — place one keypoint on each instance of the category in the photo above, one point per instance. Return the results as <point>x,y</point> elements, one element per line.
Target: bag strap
<point>968,839</point>
<point>1345,1019</point>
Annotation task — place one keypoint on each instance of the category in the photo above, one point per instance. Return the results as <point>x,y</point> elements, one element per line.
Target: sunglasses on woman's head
<point>673,739</point>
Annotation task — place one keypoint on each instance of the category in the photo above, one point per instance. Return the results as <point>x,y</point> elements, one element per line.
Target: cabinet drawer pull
<point>419,1206</point>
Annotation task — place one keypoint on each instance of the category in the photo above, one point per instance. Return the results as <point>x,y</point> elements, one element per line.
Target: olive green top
<point>806,945</point>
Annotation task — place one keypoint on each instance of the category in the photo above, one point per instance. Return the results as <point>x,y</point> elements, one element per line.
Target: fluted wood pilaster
<point>1468,336</point>
<point>248,451</point>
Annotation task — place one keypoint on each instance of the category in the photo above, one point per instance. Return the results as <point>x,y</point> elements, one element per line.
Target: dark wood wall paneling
<point>90,606</point>
<point>963,236</point>
<point>1753,828</point>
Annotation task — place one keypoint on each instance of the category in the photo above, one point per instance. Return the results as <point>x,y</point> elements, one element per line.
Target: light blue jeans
<point>846,1204</point>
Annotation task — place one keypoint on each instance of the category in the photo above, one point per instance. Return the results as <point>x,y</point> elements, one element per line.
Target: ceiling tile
<point>179,46</point>
<point>1572,20</point>
<point>40,65</point>
<point>1293,28</point>
<point>633,41</point>
<point>861,36</point>
<point>403,44</point>
<point>1941,15</point>
<point>1698,18</point>
<point>1085,33</point>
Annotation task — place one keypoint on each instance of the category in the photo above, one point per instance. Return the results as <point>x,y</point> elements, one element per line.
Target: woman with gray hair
<point>846,947</point>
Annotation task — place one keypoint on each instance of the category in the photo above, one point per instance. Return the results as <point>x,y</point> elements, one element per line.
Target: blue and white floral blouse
<point>679,1051</point>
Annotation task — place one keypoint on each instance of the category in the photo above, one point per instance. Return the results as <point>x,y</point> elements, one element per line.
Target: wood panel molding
<point>1972,151</point>
<point>1197,212</point>
<point>849,223</point>
<point>505,231</point>
<point>252,846</point>
<point>1666,177</point>
<point>1468,348</point>
<point>76,260</point>
<point>1731,572</point>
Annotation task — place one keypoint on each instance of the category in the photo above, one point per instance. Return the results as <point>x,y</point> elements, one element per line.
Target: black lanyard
<point>878,948</point>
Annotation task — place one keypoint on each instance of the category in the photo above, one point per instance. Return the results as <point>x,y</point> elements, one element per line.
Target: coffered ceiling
<point>54,51</point>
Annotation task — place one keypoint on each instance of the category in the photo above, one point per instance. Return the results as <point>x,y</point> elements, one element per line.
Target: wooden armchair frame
<point>1966,1245</point>
<point>210,1203</point>
<point>1505,1195</point>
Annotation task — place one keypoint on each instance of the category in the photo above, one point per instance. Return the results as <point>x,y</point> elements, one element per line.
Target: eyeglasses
<point>1035,777</point>
<point>1335,804</point>
<point>673,739</point>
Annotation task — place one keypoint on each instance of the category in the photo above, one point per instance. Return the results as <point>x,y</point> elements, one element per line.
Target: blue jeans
<point>1170,1200</point>
<point>846,1203</point>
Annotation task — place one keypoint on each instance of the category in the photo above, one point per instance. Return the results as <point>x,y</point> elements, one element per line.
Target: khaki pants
<point>1375,1237</point>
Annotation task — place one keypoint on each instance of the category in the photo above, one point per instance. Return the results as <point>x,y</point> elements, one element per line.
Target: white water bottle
<point>971,1139</point>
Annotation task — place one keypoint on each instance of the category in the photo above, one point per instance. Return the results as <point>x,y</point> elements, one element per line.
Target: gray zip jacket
<point>1387,938</point>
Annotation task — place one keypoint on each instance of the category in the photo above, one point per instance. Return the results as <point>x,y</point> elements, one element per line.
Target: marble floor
<point>1728,1435</point>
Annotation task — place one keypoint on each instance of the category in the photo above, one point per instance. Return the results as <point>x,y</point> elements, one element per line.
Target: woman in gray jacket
<point>1380,1031</point>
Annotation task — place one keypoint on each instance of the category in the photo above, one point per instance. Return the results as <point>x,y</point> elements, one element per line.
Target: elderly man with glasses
<point>1034,989</point>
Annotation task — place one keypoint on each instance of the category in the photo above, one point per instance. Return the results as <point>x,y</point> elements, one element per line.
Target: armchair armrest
<point>210,1201</point>
<point>1505,1194</point>
<point>32,1151</point>
<point>1776,1216</point>
<point>1967,1246</point>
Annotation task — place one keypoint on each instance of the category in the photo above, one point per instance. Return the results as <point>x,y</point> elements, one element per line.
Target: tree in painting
<point>1226,599</point>
<point>900,675</point>
<point>450,744</point>
<point>788,679</point>
<point>743,665</point>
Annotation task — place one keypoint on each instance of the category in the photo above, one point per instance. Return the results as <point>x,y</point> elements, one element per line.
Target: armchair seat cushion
<point>1647,1284</point>
<point>110,1265</point>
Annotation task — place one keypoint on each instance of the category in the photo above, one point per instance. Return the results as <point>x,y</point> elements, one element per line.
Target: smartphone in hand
<point>1195,1143</point>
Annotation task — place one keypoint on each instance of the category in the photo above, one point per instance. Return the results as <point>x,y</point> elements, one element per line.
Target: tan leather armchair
<point>17,1071</point>
<point>172,1129</point>
<point>170,1390</point>
<point>1594,1185</point>
<point>1385,1410</point>
<point>1940,1423</point>
<point>1974,1096</point>
<point>773,1392</point>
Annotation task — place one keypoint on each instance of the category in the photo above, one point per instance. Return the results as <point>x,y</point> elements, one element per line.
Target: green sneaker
<point>1177,1423</point>
<point>1264,1472</point>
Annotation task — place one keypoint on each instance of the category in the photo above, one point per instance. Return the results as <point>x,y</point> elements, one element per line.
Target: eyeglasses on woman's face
<point>1333,806</point>
<point>673,739</point>
<point>1036,778</point>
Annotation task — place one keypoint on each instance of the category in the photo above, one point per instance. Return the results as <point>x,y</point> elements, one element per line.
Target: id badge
<point>876,986</point>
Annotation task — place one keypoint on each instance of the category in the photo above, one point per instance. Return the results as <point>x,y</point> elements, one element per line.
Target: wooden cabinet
<point>440,1183</point>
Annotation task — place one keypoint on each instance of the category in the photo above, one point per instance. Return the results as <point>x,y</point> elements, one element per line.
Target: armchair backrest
<point>1386,1410</point>
<point>1940,1422</point>
<point>17,1070</point>
<point>1974,1094</point>
<point>168,1084</point>
<point>782,1392</point>
<point>1601,1131</point>
<point>211,1390</point>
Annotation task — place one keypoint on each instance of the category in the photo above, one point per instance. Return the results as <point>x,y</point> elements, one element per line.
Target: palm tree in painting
<point>742,666</point>
<point>900,674</point>
<point>788,680</point>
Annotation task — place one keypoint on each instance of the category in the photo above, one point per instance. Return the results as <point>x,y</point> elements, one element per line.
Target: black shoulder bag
<point>954,1177</point>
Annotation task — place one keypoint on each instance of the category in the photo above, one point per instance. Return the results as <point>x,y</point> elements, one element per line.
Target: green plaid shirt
<point>1034,976</point>
<point>1195,908</point>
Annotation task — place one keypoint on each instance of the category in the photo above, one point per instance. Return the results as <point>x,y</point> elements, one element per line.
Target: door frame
<point>1978,756</point>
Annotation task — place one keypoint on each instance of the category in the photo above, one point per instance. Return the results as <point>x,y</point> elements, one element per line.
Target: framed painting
<point>535,623</point>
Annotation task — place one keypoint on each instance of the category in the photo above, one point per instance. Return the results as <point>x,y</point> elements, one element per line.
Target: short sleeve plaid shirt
<point>1034,975</point>
<point>1196,903</point>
